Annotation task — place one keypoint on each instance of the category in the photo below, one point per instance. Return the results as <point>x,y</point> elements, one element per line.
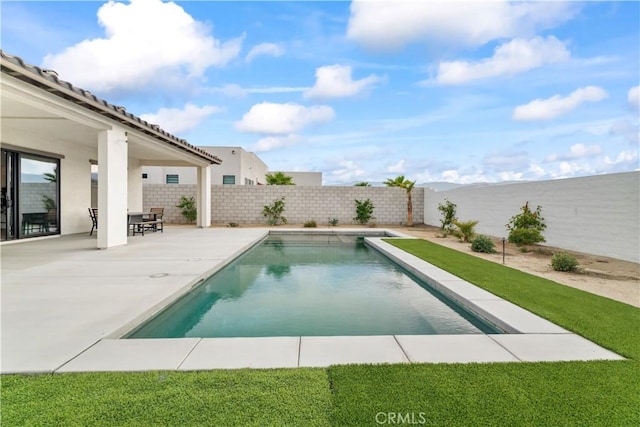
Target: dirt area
<point>609,277</point>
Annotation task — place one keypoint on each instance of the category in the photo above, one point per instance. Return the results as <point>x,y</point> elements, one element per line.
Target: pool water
<point>311,285</point>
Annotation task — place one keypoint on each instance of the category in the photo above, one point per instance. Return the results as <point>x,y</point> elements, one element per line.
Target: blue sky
<point>452,91</point>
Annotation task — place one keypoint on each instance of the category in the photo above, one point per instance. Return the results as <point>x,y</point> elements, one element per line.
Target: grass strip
<point>601,393</point>
<point>611,324</point>
<point>213,398</point>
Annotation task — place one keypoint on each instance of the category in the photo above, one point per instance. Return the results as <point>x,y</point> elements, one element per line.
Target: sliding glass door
<point>30,195</point>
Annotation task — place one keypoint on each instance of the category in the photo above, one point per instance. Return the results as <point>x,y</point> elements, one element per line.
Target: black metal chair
<point>93,213</point>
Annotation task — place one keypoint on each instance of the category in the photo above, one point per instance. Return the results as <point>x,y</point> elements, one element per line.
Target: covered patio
<point>53,133</point>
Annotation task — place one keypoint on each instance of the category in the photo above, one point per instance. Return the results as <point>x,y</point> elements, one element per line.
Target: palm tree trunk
<point>409,211</point>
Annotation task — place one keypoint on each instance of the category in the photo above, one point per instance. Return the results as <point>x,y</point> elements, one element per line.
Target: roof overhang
<point>34,100</point>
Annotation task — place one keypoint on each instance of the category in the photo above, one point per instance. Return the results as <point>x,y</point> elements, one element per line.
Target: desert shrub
<point>562,261</point>
<point>188,209</point>
<point>526,227</point>
<point>465,231</point>
<point>333,221</point>
<point>448,212</point>
<point>273,212</point>
<point>483,244</point>
<point>233,224</point>
<point>364,211</point>
<point>525,236</point>
<point>310,224</point>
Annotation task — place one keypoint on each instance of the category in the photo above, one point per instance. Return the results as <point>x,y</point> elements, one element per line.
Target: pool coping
<point>530,338</point>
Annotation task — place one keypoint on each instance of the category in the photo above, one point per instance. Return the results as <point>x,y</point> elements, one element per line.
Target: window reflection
<point>38,196</point>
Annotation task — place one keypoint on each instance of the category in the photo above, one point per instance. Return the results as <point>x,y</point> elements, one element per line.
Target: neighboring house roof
<point>48,81</point>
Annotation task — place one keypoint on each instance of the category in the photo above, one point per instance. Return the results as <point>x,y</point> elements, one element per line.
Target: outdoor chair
<point>93,213</point>
<point>159,213</point>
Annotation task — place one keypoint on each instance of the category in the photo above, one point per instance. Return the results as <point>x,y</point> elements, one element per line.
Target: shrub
<point>465,230</point>
<point>188,209</point>
<point>526,227</point>
<point>562,261</point>
<point>233,224</point>
<point>333,221</point>
<point>448,212</point>
<point>364,211</point>
<point>483,244</point>
<point>273,212</point>
<point>525,236</point>
<point>310,224</point>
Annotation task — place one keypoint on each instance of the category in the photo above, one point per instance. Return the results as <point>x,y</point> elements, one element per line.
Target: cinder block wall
<point>595,214</point>
<point>243,203</point>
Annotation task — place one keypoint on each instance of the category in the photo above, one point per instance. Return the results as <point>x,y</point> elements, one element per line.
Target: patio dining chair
<point>159,213</point>
<point>93,213</point>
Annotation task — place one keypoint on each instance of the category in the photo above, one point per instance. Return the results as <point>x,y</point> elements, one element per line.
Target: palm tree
<point>362,184</point>
<point>279,178</point>
<point>408,186</point>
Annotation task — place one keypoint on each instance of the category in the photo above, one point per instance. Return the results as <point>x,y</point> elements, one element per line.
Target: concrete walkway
<point>64,303</point>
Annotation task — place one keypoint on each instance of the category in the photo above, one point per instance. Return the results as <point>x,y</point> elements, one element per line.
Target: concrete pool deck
<point>65,303</point>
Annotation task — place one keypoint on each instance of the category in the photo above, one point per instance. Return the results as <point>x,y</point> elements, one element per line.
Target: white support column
<point>134,184</point>
<point>203,197</point>
<point>112,188</point>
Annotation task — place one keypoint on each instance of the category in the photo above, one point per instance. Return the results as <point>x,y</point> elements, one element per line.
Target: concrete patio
<point>65,303</point>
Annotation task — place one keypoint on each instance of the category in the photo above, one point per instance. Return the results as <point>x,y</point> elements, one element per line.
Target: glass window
<point>173,179</point>
<point>38,195</point>
<point>248,181</point>
<point>229,179</point>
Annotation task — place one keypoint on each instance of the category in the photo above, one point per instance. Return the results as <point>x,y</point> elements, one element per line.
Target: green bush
<point>562,261</point>
<point>525,236</point>
<point>465,231</point>
<point>273,212</point>
<point>333,221</point>
<point>526,227</point>
<point>364,211</point>
<point>310,224</point>
<point>448,212</point>
<point>188,209</point>
<point>483,244</point>
<point>233,224</point>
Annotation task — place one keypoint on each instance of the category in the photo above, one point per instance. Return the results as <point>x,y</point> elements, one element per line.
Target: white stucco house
<point>52,134</point>
<point>239,167</point>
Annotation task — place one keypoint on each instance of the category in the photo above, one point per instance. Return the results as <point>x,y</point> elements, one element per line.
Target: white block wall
<point>243,204</point>
<point>599,215</point>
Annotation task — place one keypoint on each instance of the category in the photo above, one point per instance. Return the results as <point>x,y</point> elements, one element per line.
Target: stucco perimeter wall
<point>599,215</point>
<point>243,203</point>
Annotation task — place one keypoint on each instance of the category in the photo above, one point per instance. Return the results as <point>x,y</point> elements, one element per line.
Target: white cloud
<point>633,97</point>
<point>550,108</point>
<point>236,91</point>
<point>510,58</point>
<point>335,81</point>
<point>626,129</point>
<point>452,175</point>
<point>174,120</point>
<point>270,49</point>
<point>146,41</point>
<point>270,118</point>
<point>346,171</point>
<point>397,168</point>
<point>577,151</point>
<point>506,161</point>
<point>387,25</point>
<point>273,142</point>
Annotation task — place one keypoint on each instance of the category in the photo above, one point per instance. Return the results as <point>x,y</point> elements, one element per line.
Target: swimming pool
<point>312,285</point>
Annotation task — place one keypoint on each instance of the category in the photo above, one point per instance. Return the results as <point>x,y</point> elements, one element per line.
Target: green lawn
<point>567,393</point>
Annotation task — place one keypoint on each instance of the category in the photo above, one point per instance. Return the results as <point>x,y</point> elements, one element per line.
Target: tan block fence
<point>243,204</point>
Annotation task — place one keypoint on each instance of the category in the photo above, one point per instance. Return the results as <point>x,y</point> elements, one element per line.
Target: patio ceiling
<point>52,109</point>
